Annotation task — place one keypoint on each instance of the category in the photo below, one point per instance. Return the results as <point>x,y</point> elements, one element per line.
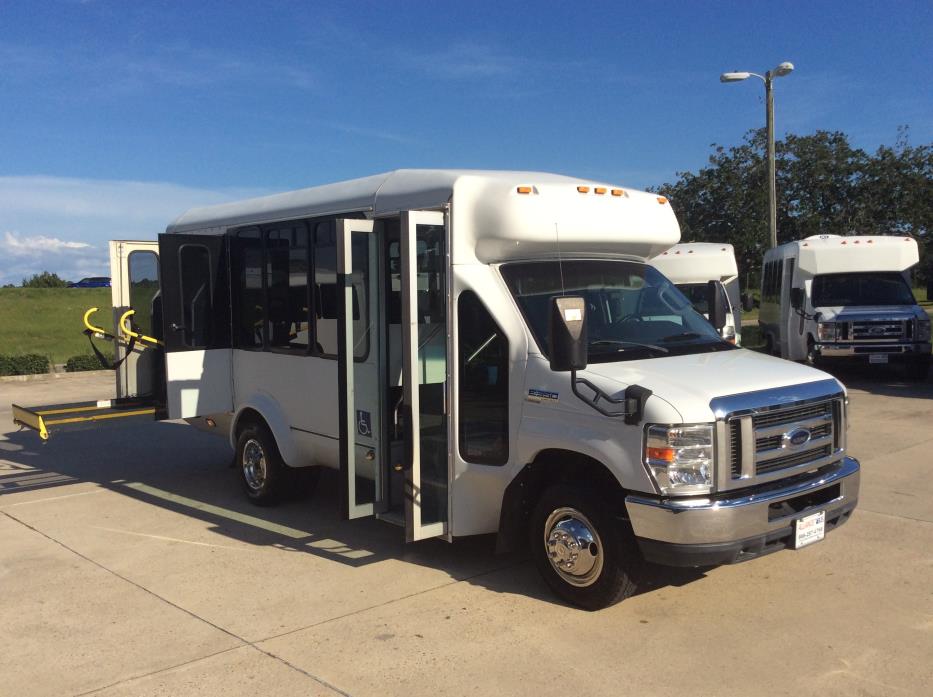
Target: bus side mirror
<point>716,304</point>
<point>748,302</point>
<point>796,298</point>
<point>566,333</point>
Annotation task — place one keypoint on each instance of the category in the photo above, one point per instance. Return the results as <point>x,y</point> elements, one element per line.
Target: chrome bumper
<point>701,531</point>
<point>840,350</point>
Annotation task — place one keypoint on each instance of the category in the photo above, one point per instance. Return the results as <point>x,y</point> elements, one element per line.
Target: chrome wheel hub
<point>573,547</point>
<point>254,464</point>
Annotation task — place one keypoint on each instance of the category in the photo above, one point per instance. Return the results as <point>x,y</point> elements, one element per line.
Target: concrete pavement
<point>130,564</point>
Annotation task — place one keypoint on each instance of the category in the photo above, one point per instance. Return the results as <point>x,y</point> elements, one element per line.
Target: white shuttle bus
<point>483,352</point>
<point>834,297</point>
<point>692,266</point>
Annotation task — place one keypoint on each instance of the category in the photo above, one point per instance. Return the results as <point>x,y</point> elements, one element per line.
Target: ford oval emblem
<point>796,438</point>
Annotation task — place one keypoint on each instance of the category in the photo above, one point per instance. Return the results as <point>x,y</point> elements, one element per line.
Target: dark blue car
<point>92,282</point>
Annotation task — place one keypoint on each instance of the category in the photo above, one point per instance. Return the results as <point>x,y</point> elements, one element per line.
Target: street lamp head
<point>783,69</point>
<point>736,77</point>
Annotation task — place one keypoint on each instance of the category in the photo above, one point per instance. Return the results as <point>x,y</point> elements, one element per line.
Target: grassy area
<point>48,321</point>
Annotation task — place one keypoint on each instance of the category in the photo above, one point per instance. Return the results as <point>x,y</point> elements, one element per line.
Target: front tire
<point>586,555</point>
<point>919,368</point>
<point>260,464</point>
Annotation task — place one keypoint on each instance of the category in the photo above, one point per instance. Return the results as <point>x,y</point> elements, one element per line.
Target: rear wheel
<point>586,555</point>
<point>260,464</point>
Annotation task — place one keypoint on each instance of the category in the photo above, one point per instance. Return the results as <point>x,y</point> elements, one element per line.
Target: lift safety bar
<point>125,328</point>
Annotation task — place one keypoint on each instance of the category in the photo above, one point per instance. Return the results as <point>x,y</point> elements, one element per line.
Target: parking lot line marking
<point>52,498</point>
<point>166,539</point>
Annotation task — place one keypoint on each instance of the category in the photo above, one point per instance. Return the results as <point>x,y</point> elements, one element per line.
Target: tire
<point>261,467</point>
<point>769,344</point>
<point>600,576</point>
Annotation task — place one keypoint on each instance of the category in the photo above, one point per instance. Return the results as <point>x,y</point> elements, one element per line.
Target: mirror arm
<point>633,402</point>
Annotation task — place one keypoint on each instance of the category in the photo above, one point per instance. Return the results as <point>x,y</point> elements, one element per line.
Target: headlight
<point>827,331</point>
<point>923,329</point>
<point>680,457</point>
<point>728,333</point>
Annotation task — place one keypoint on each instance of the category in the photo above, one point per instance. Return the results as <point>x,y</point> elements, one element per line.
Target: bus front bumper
<point>743,525</point>
<point>846,350</point>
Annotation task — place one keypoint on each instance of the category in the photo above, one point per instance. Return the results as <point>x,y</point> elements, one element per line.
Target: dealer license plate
<point>809,529</point>
<point>877,358</point>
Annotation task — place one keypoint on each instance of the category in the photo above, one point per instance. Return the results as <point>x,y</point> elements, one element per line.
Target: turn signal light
<point>665,454</point>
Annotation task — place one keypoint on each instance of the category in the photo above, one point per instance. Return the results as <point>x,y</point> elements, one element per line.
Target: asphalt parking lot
<point>130,564</point>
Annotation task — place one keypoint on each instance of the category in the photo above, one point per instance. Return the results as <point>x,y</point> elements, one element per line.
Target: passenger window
<point>144,284</point>
<point>249,305</point>
<point>288,314</point>
<point>325,291</point>
<point>194,262</point>
<point>484,384</point>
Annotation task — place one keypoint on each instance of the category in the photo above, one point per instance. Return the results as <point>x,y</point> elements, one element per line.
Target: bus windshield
<point>633,311</point>
<point>864,288</point>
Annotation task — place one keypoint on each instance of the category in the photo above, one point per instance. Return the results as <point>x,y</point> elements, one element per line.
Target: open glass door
<point>360,369</point>
<point>134,271</point>
<point>424,371</point>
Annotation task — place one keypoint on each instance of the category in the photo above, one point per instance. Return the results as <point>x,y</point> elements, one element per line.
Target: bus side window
<point>247,253</point>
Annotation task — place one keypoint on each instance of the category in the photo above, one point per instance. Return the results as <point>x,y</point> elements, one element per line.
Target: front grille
<point>877,330</point>
<point>783,438</point>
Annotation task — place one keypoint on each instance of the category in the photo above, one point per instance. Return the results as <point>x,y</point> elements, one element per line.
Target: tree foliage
<point>45,279</point>
<point>824,186</point>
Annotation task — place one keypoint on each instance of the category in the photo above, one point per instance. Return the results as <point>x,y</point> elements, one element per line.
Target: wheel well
<point>552,466</point>
<point>246,417</point>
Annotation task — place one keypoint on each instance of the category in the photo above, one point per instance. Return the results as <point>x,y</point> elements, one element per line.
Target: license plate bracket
<point>809,529</point>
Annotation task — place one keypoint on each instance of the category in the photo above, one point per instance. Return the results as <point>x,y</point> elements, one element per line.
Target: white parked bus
<point>829,297</point>
<point>692,266</point>
<point>485,352</point>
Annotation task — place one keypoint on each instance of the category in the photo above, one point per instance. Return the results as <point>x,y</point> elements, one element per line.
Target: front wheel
<point>586,555</point>
<point>919,368</point>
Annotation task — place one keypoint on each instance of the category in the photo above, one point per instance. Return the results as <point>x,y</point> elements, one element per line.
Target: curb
<point>53,376</point>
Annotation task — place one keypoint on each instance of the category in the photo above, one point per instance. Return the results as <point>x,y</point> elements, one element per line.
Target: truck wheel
<point>260,464</point>
<point>588,557</point>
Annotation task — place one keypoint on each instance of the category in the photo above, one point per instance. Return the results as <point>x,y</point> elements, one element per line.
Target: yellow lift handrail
<point>129,332</point>
<point>98,331</point>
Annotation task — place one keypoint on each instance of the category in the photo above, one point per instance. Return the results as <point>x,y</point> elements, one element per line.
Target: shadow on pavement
<point>180,469</point>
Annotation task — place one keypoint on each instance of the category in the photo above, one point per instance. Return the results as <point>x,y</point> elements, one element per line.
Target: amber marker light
<point>599,190</point>
<point>617,192</point>
<point>524,189</point>
<point>662,200</point>
<point>583,189</point>
<point>663,454</point>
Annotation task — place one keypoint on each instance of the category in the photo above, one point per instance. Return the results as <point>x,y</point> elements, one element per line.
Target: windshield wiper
<point>617,342</point>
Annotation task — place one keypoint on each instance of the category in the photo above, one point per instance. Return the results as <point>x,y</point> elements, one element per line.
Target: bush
<point>45,279</point>
<point>76,364</point>
<point>26,364</point>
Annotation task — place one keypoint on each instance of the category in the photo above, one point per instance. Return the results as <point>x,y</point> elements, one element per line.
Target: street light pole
<point>780,71</point>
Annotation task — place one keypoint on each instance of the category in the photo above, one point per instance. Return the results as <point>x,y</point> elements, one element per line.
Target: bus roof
<point>697,262</point>
<point>511,214</point>
<point>821,254</point>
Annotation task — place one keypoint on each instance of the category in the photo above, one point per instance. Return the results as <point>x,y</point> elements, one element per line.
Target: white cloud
<point>62,224</point>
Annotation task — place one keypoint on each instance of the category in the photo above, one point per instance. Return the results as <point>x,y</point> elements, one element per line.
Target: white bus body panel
<point>198,383</point>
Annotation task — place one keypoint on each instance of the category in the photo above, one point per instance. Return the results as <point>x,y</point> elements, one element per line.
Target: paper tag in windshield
<point>573,315</point>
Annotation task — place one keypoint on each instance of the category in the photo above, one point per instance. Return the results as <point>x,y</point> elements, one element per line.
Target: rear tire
<point>260,464</point>
<point>586,555</point>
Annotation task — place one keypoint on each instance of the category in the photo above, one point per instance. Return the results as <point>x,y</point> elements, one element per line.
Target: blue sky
<point>117,116</point>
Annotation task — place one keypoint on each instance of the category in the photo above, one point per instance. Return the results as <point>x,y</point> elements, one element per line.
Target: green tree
<point>45,279</point>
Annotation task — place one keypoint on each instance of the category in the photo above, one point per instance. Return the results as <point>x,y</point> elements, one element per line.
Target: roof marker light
<point>583,189</point>
<point>869,241</point>
<point>662,200</point>
<point>524,189</point>
<point>599,190</point>
<point>618,192</point>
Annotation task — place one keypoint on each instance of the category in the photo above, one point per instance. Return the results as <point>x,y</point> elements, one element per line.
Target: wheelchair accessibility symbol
<point>364,423</point>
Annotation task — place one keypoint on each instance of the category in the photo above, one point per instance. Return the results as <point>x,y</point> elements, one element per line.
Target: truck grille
<point>877,330</point>
<point>775,442</point>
